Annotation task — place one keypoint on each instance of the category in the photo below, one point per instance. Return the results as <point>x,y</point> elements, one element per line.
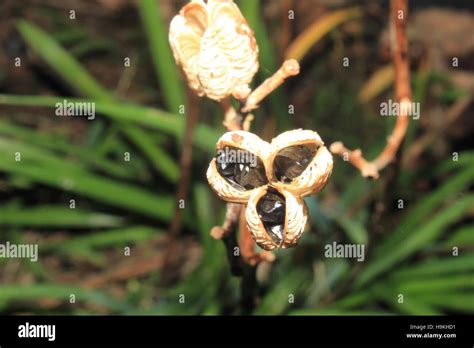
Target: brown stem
<point>244,263</point>
<point>289,68</point>
<point>183,186</point>
<point>185,163</point>
<point>227,233</point>
<point>398,20</point>
<point>234,120</point>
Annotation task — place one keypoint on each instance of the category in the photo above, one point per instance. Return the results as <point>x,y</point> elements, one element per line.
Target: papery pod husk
<point>296,215</point>
<point>185,36</point>
<point>228,58</point>
<point>313,179</point>
<point>242,140</point>
<point>215,47</point>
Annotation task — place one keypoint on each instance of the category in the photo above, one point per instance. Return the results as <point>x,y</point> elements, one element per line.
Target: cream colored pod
<point>238,169</point>
<point>275,218</point>
<point>299,162</point>
<point>215,48</point>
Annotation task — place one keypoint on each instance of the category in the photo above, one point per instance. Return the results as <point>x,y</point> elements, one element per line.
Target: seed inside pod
<point>241,168</point>
<point>272,211</point>
<point>291,161</point>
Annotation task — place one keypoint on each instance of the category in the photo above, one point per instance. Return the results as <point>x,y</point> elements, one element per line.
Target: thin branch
<point>398,20</point>
<point>247,245</point>
<point>183,184</point>
<point>289,68</point>
<point>185,162</point>
<point>234,120</point>
<point>227,234</point>
<point>244,263</point>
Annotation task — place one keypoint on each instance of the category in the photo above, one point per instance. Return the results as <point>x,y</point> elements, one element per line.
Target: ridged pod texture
<point>295,220</point>
<point>242,140</point>
<point>215,47</point>
<point>315,176</point>
<point>311,180</point>
<point>254,223</point>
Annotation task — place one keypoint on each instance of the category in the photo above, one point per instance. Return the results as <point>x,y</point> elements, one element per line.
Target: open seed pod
<point>239,166</point>
<point>215,47</point>
<point>275,218</point>
<point>299,162</point>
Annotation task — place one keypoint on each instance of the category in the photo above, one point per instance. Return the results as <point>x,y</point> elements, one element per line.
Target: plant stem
<point>398,20</point>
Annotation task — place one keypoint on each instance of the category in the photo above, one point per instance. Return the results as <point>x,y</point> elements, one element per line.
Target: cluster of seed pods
<point>271,179</point>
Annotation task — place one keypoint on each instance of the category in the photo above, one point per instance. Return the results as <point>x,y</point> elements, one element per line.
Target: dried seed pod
<point>185,35</point>
<point>215,47</point>
<point>238,169</point>
<point>299,162</point>
<point>275,218</point>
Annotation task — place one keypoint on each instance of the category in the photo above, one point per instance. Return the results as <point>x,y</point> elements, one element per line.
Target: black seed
<point>290,162</point>
<point>272,211</point>
<point>241,168</point>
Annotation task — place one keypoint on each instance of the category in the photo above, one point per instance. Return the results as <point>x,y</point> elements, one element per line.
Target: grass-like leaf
<point>417,239</point>
<point>62,62</point>
<point>205,137</point>
<point>16,293</point>
<point>112,192</point>
<point>71,70</point>
<point>56,216</point>
<point>165,67</point>
<point>62,147</point>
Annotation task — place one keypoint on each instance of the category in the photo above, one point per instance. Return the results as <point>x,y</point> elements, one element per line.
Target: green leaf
<point>56,216</point>
<point>416,239</point>
<point>62,146</point>
<point>163,61</point>
<point>353,229</point>
<point>66,66</point>
<point>61,61</point>
<point>160,159</point>
<point>436,267</point>
<point>330,311</point>
<point>204,137</point>
<point>277,300</point>
<point>326,277</point>
<point>413,306</point>
<point>465,158</point>
<point>454,301</point>
<point>104,239</point>
<point>353,300</point>
<point>424,207</point>
<point>15,293</point>
<point>114,193</point>
<point>214,260</point>
<point>462,237</point>
<point>442,284</point>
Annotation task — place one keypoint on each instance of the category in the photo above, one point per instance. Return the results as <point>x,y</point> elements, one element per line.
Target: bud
<point>215,47</point>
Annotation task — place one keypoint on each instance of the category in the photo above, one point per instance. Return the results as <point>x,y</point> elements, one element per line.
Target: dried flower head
<point>215,47</point>
<point>272,180</point>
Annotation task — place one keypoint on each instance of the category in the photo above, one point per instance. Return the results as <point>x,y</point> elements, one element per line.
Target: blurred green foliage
<point>132,204</point>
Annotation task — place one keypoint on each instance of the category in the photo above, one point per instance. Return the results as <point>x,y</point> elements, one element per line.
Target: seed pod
<point>238,169</point>
<point>299,162</point>
<point>275,218</point>
<point>215,47</point>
